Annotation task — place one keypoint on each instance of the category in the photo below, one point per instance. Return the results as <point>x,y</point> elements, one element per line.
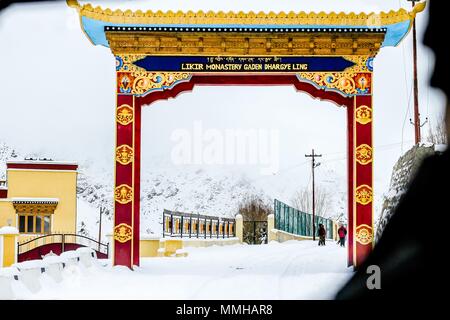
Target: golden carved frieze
<point>123,233</point>
<point>245,43</point>
<point>364,154</point>
<point>123,194</point>
<point>124,114</point>
<point>364,234</point>
<point>363,114</point>
<point>35,207</point>
<point>124,154</point>
<point>364,194</point>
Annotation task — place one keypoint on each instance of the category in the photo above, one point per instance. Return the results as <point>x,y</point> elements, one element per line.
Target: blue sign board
<point>243,64</point>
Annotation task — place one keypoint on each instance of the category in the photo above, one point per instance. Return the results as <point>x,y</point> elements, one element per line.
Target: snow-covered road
<point>290,270</point>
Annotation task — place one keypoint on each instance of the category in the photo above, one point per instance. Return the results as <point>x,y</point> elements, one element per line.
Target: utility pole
<point>102,211</point>
<point>417,124</point>
<point>313,166</point>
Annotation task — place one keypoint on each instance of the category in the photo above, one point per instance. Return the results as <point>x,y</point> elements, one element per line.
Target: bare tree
<point>302,200</point>
<point>255,211</point>
<point>437,134</point>
<point>253,208</point>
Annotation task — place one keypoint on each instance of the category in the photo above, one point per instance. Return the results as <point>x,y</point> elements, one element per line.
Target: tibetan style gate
<point>158,55</point>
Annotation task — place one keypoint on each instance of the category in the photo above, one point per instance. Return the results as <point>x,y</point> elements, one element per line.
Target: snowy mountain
<point>185,190</point>
<point>205,190</point>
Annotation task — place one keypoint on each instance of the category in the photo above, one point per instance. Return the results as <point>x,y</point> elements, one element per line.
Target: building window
<point>34,223</point>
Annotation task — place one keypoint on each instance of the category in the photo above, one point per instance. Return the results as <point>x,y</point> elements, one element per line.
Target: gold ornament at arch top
<point>364,194</point>
<point>364,154</point>
<point>364,234</point>
<point>332,80</point>
<point>251,18</point>
<point>144,81</point>
<point>123,233</point>
<point>124,114</point>
<point>123,194</point>
<point>363,114</point>
<point>147,81</point>
<point>124,154</point>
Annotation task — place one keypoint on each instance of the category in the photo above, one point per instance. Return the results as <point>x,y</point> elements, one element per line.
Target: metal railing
<point>294,221</point>
<point>189,225</point>
<point>64,240</point>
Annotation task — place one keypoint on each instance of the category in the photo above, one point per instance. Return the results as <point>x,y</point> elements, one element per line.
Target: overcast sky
<point>57,92</point>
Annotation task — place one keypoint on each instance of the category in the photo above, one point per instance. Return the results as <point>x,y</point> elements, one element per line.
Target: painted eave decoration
<point>396,23</point>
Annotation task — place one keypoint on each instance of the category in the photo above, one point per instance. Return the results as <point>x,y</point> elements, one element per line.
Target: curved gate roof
<point>95,21</point>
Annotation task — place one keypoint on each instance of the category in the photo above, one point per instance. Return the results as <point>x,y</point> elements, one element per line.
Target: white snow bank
<point>27,265</point>
<point>8,272</point>
<point>293,270</point>
<point>8,230</point>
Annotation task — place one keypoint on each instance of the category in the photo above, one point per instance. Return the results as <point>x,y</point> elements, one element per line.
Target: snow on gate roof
<point>94,21</point>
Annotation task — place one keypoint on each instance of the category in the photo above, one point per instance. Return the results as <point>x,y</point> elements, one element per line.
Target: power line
<point>407,91</point>
<point>285,170</point>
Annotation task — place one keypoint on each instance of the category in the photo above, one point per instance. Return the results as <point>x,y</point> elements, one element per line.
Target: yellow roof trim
<point>260,18</point>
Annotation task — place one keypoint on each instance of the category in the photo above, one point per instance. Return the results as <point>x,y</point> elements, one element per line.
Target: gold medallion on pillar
<point>363,114</point>
<point>123,194</point>
<point>124,154</point>
<point>124,114</point>
<point>364,234</point>
<point>363,194</point>
<point>123,233</point>
<point>364,154</point>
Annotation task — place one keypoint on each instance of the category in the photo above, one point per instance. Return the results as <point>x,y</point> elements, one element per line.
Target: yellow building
<point>39,197</point>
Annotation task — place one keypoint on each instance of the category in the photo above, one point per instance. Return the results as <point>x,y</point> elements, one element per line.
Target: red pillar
<point>351,186</point>
<point>137,181</point>
<point>123,191</point>
<point>127,175</point>
<point>363,178</point>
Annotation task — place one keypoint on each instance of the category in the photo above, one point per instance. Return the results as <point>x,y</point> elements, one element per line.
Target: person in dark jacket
<point>342,232</point>
<point>410,262</point>
<point>322,233</point>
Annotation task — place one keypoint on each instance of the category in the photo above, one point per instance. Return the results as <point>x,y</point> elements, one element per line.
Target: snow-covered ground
<point>290,270</point>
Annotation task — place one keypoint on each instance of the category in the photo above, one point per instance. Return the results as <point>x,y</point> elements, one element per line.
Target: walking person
<point>342,232</point>
<point>322,233</point>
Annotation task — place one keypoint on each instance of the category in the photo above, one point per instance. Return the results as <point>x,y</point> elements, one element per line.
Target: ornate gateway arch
<point>158,55</point>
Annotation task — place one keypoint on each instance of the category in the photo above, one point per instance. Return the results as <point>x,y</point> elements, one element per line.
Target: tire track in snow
<point>256,258</point>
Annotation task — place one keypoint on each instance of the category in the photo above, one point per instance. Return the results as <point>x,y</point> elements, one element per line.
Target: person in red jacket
<point>342,232</point>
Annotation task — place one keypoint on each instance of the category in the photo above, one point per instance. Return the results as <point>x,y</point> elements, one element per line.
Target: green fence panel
<point>291,220</point>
